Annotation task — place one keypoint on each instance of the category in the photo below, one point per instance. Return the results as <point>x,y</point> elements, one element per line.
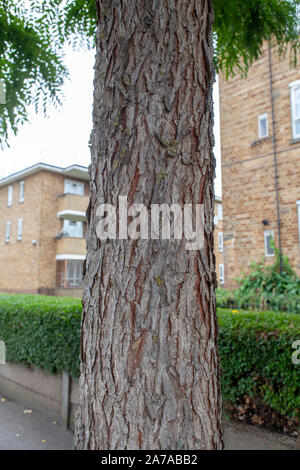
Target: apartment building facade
<point>43,221</point>
<point>42,238</point>
<point>218,241</point>
<point>260,148</point>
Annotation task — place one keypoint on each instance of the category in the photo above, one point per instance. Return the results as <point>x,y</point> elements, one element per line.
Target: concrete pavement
<point>33,430</point>
<point>30,431</point>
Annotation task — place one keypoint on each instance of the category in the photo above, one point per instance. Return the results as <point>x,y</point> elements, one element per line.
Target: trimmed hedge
<point>256,358</point>
<point>43,331</point>
<point>255,348</point>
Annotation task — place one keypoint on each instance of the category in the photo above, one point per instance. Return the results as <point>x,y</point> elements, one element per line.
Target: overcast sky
<point>62,139</point>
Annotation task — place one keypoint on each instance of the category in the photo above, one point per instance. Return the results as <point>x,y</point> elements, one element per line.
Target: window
<point>7,235</point>
<point>69,273</point>
<point>74,273</point>
<point>263,125</point>
<point>295,108</point>
<point>220,212</point>
<point>269,239</point>
<point>20,229</point>
<point>220,238</point>
<point>73,228</point>
<point>9,195</point>
<point>74,187</point>
<point>221,273</point>
<point>21,196</point>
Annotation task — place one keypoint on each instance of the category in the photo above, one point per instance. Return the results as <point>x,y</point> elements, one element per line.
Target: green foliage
<point>81,20</point>
<point>277,278</point>
<point>31,64</point>
<point>256,358</point>
<point>43,331</point>
<point>33,34</point>
<point>242,26</point>
<point>274,286</point>
<point>255,348</point>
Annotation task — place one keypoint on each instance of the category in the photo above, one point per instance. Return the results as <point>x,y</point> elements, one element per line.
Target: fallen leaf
<point>17,435</point>
<point>43,441</point>
<point>27,412</point>
<point>3,400</point>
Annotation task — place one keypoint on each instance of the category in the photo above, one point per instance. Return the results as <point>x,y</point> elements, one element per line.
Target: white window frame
<point>22,188</point>
<point>76,280</point>
<point>66,281</point>
<point>220,211</point>
<point>221,273</point>
<point>20,230</point>
<point>220,240</point>
<point>7,232</point>
<point>266,234</point>
<point>78,230</point>
<point>293,87</point>
<point>79,184</point>
<point>9,196</point>
<point>262,117</point>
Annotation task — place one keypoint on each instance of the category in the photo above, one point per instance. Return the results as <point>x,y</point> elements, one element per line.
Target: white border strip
<point>71,212</point>
<point>71,257</point>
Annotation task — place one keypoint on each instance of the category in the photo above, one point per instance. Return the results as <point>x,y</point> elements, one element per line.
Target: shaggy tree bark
<point>149,362</point>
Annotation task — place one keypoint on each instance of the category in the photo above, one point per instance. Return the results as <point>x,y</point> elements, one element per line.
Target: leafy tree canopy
<point>33,34</point>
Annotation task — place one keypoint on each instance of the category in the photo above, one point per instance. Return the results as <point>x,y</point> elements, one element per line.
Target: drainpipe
<point>275,156</point>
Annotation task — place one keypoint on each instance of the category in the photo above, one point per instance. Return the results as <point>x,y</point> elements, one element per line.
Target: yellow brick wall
<point>26,267</point>
<point>51,186</point>
<point>218,254</point>
<point>248,178</point>
<point>19,259</point>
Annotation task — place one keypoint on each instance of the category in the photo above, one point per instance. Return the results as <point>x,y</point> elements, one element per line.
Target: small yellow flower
<point>3,400</point>
<point>234,311</point>
<point>43,441</point>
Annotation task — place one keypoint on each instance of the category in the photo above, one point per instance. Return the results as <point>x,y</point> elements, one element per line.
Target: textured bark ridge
<point>150,370</point>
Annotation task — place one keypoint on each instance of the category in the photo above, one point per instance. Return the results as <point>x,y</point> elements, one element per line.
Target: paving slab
<point>239,436</point>
<point>22,429</point>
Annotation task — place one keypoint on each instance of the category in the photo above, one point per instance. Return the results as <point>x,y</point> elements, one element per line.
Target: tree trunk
<point>149,361</point>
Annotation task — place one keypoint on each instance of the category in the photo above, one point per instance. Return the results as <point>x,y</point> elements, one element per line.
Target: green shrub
<point>265,288</point>
<point>256,358</point>
<point>43,331</point>
<point>277,278</point>
<point>260,301</point>
<point>255,348</point>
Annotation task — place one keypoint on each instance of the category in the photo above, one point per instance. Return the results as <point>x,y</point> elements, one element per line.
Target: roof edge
<point>79,170</point>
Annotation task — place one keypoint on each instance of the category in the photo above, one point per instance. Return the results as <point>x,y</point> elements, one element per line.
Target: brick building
<point>260,148</point>
<point>218,241</point>
<point>43,224</point>
<point>42,245</point>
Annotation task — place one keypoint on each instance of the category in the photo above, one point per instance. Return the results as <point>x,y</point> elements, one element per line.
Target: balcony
<point>71,246</point>
<point>72,206</point>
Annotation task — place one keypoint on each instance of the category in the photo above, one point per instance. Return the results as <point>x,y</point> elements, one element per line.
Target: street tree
<point>150,373</point>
